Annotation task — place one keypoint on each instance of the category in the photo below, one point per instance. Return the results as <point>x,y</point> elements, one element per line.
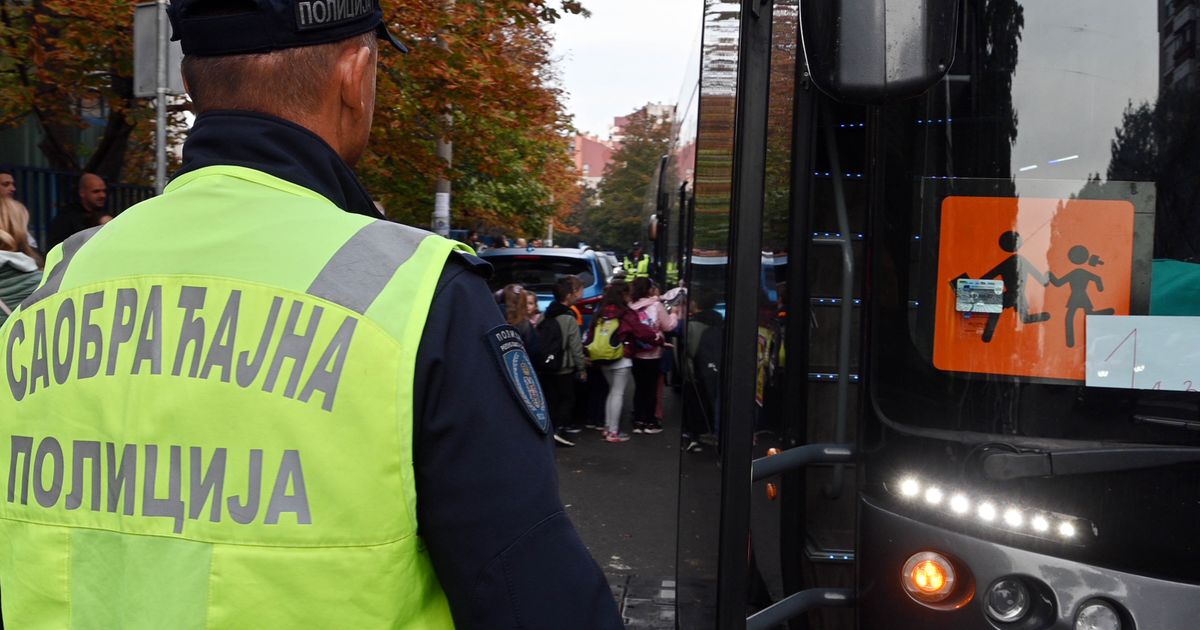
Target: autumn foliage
<point>491,90</point>
<point>511,168</point>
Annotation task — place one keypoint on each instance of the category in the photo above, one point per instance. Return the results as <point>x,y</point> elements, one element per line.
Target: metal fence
<point>45,192</point>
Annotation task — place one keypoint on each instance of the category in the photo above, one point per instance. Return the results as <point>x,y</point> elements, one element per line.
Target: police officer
<point>637,264</point>
<point>253,403</point>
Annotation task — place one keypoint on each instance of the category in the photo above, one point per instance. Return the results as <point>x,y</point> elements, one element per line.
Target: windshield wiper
<point>1084,461</point>
<point>1174,423</point>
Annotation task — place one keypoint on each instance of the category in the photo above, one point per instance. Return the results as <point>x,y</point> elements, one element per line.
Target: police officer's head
<point>309,61</point>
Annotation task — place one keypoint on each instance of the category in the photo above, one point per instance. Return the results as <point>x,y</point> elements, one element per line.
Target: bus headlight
<point>1097,615</point>
<point>1007,600</point>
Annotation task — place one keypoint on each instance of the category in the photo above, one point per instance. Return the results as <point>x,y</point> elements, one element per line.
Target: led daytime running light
<point>991,511</point>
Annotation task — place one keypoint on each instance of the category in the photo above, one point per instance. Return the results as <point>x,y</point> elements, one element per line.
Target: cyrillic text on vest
<point>120,480</point>
<point>65,345</point>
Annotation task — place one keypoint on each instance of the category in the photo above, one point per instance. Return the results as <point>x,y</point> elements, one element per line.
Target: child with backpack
<point>559,358</point>
<point>615,335</point>
<point>646,361</point>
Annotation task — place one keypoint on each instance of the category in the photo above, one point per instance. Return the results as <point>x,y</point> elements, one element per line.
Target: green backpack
<point>604,347</point>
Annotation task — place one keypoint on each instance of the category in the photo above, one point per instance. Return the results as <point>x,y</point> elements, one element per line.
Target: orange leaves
<point>70,64</point>
<point>510,161</point>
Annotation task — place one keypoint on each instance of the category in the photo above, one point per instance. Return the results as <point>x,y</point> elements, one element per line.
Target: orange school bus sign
<point>1016,278</point>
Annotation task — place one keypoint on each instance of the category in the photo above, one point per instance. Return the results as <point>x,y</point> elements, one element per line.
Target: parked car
<point>614,263</point>
<point>539,268</point>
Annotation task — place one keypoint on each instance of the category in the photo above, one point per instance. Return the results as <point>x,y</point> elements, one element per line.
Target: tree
<point>58,64</point>
<point>577,227</point>
<point>511,168</point>
<point>626,193</point>
<point>1160,144</point>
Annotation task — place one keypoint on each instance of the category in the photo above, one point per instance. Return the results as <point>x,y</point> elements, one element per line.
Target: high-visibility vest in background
<point>207,419</point>
<point>639,269</point>
<point>672,274</point>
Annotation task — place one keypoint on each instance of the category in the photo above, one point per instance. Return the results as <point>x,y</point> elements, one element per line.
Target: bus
<point>977,404</point>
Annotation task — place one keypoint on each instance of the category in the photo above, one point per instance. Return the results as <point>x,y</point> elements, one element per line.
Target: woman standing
<point>20,265</point>
<point>646,360</point>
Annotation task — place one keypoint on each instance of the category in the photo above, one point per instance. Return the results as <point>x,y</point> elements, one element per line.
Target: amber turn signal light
<point>928,577</point>
<point>772,489</point>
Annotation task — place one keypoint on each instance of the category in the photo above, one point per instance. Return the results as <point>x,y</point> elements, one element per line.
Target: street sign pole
<point>445,151</point>
<point>160,140</point>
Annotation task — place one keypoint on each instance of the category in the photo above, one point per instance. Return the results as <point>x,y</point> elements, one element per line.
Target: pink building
<point>592,156</point>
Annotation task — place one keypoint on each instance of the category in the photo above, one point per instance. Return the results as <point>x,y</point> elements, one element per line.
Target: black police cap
<point>210,28</point>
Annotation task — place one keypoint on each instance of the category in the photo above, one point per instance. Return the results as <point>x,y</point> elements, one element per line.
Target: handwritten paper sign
<point>1144,352</point>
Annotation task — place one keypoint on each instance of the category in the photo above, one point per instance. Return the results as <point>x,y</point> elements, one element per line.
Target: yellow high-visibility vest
<point>200,434</point>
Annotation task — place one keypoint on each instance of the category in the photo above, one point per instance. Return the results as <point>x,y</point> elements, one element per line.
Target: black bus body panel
<point>888,539</point>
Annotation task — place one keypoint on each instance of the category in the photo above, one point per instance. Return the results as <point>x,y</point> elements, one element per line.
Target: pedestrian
<point>646,361</point>
<point>308,416</point>
<point>612,338</point>
<point>20,271</point>
<point>475,242</point>
<point>516,313</point>
<point>559,333</point>
<point>85,213</point>
<point>8,184</point>
<point>637,264</point>
<point>532,311</point>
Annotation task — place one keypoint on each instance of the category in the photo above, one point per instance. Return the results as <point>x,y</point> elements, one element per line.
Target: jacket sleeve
<point>488,510</point>
<point>575,344</point>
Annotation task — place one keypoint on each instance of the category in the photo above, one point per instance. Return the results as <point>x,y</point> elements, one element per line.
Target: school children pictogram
<point>1053,261</point>
<point>1079,280</point>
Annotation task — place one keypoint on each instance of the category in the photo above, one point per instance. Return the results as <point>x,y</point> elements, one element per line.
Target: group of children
<point>625,339</point>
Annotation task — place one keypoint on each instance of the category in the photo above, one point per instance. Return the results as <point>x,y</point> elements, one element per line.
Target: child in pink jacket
<point>646,360</point>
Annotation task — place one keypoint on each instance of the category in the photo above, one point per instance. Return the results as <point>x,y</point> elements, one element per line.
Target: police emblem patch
<point>506,345</point>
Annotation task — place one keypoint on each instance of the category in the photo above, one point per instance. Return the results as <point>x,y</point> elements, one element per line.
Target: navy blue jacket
<point>487,489</point>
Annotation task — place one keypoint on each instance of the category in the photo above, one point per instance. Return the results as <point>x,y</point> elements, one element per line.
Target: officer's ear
<point>354,71</point>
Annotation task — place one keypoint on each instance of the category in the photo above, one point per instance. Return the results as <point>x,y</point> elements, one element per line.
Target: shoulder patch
<point>508,349</point>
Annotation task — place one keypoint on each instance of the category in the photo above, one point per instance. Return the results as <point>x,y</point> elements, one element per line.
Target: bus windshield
<point>1052,179</point>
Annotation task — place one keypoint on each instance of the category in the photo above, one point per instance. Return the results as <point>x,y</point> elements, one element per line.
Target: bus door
<point>773,335</point>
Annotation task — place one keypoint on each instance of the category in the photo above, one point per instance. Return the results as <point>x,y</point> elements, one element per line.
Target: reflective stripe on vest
<point>218,434</point>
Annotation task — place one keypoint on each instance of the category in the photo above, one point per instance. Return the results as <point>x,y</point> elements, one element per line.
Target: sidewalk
<point>623,499</point>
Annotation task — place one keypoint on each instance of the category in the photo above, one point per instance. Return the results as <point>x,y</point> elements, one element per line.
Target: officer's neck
<point>331,129</point>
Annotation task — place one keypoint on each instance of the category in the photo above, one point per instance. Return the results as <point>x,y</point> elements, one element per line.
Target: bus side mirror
<point>874,51</point>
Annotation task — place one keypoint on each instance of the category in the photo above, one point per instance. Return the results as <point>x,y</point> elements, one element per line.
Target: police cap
<point>209,28</point>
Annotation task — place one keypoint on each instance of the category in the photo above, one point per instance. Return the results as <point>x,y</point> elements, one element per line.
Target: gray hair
<point>286,82</point>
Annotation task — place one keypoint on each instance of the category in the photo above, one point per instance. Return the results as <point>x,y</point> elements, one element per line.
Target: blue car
<point>539,268</point>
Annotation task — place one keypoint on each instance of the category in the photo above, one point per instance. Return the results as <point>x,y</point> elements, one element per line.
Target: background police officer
<point>276,408</point>
<point>637,264</point>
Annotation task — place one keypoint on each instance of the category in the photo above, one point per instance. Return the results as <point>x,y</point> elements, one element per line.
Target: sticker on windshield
<point>978,296</point>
